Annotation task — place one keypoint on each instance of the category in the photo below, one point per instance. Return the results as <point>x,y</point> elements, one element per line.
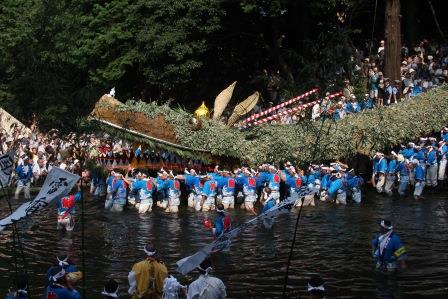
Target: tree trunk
<point>392,40</point>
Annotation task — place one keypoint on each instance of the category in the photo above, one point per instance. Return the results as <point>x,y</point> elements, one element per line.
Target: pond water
<point>333,241</point>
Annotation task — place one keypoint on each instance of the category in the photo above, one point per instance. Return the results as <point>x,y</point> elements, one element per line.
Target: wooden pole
<point>392,53</point>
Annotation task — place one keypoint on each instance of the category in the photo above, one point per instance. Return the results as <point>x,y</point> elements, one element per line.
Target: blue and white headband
<point>385,226</point>
<point>220,210</point>
<point>113,295</point>
<point>318,288</point>
<point>63,263</point>
<point>58,275</point>
<point>149,253</point>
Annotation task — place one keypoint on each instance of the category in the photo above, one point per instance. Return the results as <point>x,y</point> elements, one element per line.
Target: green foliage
<point>366,132</point>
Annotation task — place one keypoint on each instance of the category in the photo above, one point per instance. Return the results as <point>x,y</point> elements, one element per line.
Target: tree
<point>392,40</point>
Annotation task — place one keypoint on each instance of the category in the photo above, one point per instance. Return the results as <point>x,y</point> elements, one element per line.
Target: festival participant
<point>110,290</point>
<point>222,223</point>
<point>194,183</point>
<point>294,183</point>
<point>98,186</point>
<point>403,169</point>
<point>173,188</point>
<point>420,155</point>
<point>24,173</point>
<point>147,277</point>
<point>22,289</point>
<point>66,209</point>
<point>118,193</point>
<point>272,178</point>
<point>432,166</point>
<point>249,183</point>
<point>325,182</point>
<point>309,181</point>
<point>109,190</point>
<point>60,287</point>
<point>64,262</point>
<point>269,203</point>
<point>209,192</point>
<point>134,190</point>
<point>337,189</point>
<point>354,184</point>
<point>419,174</point>
<point>162,200</point>
<point>380,172</point>
<point>444,134</point>
<point>147,188</point>
<point>316,287</point>
<point>390,174</point>
<point>388,250</point>
<point>172,289</point>
<point>226,186</point>
<point>442,155</point>
<point>206,286</point>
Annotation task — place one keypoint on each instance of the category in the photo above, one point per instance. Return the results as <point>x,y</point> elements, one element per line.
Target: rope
<point>291,251</point>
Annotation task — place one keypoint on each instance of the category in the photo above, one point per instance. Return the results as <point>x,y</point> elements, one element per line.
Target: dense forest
<point>57,57</point>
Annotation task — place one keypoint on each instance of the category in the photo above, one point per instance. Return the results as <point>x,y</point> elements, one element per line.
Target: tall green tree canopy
<point>58,56</point>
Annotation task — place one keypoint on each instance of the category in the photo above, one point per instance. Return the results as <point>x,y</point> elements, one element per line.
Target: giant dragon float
<point>213,141</point>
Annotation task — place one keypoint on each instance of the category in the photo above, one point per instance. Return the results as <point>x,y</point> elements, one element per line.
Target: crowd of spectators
<point>45,151</point>
<point>422,68</point>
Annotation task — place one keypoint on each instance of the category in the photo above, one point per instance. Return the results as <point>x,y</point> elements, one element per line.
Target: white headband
<point>319,288</point>
<point>63,262</point>
<point>149,253</point>
<point>113,295</point>
<point>219,210</point>
<point>207,271</point>
<point>58,275</point>
<point>385,226</point>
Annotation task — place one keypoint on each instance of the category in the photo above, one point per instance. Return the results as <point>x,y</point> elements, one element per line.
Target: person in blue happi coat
<point>59,286</point>
<point>431,166</point>
<point>226,188</point>
<point>419,176</point>
<point>24,174</point>
<point>388,251</point>
<point>403,169</point>
<point>354,184</point>
<point>66,208</point>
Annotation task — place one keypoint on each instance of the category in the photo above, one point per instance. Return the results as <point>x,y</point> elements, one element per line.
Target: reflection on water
<point>333,241</point>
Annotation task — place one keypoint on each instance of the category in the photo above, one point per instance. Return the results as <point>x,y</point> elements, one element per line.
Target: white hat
<point>404,62</point>
<point>400,158</point>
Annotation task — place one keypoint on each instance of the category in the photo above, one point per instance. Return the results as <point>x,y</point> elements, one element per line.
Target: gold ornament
<point>202,112</point>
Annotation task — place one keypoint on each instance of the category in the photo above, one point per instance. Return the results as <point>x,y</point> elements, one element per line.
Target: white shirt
<point>215,290</point>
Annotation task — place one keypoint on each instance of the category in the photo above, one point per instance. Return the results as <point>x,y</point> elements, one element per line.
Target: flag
<point>6,168</point>
<point>190,263</point>
<point>57,184</point>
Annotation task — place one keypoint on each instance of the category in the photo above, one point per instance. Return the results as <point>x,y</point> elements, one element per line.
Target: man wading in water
<point>147,277</point>
<point>388,250</point>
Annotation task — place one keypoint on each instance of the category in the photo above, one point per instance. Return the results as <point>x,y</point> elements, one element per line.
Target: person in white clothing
<point>206,286</point>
